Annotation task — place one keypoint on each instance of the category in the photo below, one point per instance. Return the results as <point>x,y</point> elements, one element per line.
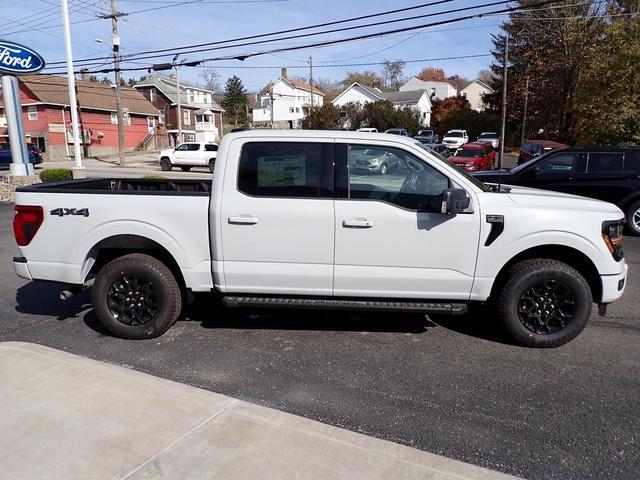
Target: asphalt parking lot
<point>451,386</point>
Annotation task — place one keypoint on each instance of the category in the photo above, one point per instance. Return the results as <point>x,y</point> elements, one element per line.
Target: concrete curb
<point>69,417</point>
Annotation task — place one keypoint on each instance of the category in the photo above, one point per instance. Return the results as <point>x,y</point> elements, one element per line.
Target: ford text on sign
<point>17,59</point>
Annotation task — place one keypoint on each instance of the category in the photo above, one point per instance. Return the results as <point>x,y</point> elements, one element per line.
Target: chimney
<point>84,74</point>
<point>283,72</point>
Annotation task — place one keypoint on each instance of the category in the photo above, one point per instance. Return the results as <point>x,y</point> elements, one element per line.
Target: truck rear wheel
<point>165,164</point>
<point>136,297</point>
<point>544,303</point>
<point>212,164</point>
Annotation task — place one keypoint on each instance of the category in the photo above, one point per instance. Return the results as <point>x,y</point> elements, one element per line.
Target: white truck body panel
<point>199,157</point>
<point>298,246</point>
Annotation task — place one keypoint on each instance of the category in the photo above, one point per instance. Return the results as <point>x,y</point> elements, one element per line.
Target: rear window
<point>454,134</point>
<point>605,162</point>
<point>632,162</point>
<point>281,169</point>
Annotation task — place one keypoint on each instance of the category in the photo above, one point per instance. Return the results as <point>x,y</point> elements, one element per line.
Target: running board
<point>335,303</point>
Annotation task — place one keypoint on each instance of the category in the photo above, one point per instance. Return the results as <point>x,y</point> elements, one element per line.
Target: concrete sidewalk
<point>67,417</point>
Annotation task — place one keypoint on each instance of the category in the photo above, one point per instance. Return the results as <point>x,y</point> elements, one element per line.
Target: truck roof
<point>319,134</point>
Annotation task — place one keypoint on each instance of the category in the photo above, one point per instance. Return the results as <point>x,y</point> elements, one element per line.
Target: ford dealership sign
<point>16,59</point>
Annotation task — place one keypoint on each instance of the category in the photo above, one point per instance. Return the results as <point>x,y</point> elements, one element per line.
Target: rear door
<point>210,153</point>
<point>391,239</point>
<point>180,154</point>
<point>603,177</point>
<point>277,217</point>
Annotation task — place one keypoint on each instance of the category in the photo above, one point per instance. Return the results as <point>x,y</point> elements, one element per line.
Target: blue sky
<point>202,22</point>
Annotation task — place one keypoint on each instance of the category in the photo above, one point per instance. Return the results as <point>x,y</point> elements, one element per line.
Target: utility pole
<point>85,146</point>
<point>271,98</point>
<point>78,169</point>
<point>177,69</point>
<point>311,78</point>
<point>524,113</point>
<point>503,119</point>
<point>116,67</point>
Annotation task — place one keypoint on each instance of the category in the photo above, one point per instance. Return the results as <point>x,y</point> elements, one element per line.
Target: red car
<point>475,156</point>
<point>534,148</point>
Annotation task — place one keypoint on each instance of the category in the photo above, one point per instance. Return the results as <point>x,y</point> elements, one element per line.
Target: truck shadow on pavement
<point>42,298</point>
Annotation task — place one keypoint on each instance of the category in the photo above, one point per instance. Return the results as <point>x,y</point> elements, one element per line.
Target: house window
<point>125,115</point>
<point>152,94</point>
<point>433,91</point>
<point>32,113</point>
<point>114,118</point>
<point>290,109</point>
<point>186,119</point>
<point>191,96</point>
<point>297,109</point>
<point>161,119</point>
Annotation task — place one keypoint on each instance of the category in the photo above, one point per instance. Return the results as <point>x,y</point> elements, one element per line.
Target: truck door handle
<point>243,220</point>
<point>357,223</point>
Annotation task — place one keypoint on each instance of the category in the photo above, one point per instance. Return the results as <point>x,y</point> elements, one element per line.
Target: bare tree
<point>210,78</point>
<point>485,76</point>
<point>393,72</point>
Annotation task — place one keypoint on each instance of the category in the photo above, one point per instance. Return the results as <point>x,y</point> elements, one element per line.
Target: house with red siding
<point>47,118</point>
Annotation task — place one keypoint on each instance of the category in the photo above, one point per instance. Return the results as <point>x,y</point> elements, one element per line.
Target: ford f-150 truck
<point>286,223</point>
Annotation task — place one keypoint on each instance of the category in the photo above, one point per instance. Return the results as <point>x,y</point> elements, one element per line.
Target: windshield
<point>472,179</point>
<point>454,134</point>
<point>468,153</point>
<point>425,132</point>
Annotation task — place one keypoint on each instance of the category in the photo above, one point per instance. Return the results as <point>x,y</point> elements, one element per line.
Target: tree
<point>326,117</point>
<point>210,79</point>
<point>485,76</point>
<point>393,73</point>
<point>235,100</point>
<point>458,82</point>
<point>353,115</point>
<point>431,74</point>
<point>608,106</point>
<point>379,114</point>
<point>370,79</point>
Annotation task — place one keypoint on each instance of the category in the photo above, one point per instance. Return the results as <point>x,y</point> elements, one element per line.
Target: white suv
<point>187,155</point>
<point>454,139</point>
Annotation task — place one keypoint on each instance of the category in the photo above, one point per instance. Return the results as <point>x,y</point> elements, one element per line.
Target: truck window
<point>193,147</point>
<point>605,162</point>
<point>210,147</point>
<point>282,169</point>
<point>632,162</point>
<point>392,175</point>
<point>561,163</point>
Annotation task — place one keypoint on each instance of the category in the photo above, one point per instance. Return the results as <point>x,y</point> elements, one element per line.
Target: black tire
<point>212,164</point>
<point>155,288</point>
<point>633,218</point>
<point>562,305</point>
<point>165,164</point>
<point>383,169</point>
<point>185,168</point>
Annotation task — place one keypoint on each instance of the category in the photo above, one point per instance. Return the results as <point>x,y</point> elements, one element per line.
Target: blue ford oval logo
<point>17,59</point>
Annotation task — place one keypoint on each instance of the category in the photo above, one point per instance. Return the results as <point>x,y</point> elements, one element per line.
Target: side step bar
<point>339,304</point>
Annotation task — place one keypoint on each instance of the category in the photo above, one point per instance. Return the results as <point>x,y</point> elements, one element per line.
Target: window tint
<point>282,169</point>
<point>605,162</point>
<point>211,148</point>
<point>193,147</point>
<point>395,176</point>
<point>632,162</point>
<point>561,163</point>
<point>182,148</point>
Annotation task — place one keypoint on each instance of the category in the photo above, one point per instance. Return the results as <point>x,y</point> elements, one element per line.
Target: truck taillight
<point>26,223</point>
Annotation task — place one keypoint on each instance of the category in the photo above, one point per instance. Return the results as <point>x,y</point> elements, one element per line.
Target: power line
<point>280,32</point>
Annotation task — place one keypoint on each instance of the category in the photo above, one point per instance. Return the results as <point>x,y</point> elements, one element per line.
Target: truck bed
<point>137,186</point>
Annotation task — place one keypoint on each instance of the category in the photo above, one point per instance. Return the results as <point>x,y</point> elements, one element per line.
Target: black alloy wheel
<point>132,300</point>
<point>546,307</point>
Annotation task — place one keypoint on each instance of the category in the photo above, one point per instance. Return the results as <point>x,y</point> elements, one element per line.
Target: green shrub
<point>56,175</point>
<point>153,177</point>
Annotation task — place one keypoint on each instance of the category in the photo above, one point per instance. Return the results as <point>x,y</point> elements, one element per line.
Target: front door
<point>277,219</point>
<point>391,239</point>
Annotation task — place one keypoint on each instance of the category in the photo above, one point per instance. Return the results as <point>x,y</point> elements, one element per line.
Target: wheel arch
<point>569,255</point>
<point>117,246</point>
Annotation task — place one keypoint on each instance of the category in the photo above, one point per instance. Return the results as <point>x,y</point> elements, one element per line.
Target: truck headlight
<point>612,236</point>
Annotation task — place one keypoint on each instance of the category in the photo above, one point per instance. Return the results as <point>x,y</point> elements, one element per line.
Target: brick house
<point>201,115</point>
<point>47,118</point>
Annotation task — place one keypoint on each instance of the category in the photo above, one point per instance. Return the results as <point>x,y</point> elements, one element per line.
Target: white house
<point>417,99</point>
<point>290,100</point>
<point>438,90</point>
<point>474,91</point>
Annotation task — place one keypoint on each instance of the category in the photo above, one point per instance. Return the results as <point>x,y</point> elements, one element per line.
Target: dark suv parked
<point>611,174</point>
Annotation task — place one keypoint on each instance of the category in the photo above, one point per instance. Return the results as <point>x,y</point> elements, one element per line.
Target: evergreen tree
<point>235,100</point>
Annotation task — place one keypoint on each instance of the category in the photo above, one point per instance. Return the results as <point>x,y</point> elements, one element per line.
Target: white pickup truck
<point>285,223</point>
<point>187,155</point>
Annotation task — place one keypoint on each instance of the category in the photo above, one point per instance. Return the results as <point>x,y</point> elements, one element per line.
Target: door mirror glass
<point>455,200</point>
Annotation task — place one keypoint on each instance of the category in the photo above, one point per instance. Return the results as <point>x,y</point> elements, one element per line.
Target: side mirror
<point>454,200</point>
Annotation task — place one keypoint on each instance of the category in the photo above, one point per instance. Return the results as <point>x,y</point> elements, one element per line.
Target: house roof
<point>445,82</point>
<point>399,98</point>
<point>91,95</point>
<point>169,88</point>
<point>296,83</point>
<point>479,82</point>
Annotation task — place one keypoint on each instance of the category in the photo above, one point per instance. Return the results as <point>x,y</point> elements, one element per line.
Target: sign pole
<point>78,169</point>
<point>13,112</point>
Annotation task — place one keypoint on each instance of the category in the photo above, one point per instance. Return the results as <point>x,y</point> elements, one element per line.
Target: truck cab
<point>190,154</point>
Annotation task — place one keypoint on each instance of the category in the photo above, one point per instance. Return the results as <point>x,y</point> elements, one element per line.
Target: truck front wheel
<point>136,297</point>
<point>165,164</point>
<point>544,303</point>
